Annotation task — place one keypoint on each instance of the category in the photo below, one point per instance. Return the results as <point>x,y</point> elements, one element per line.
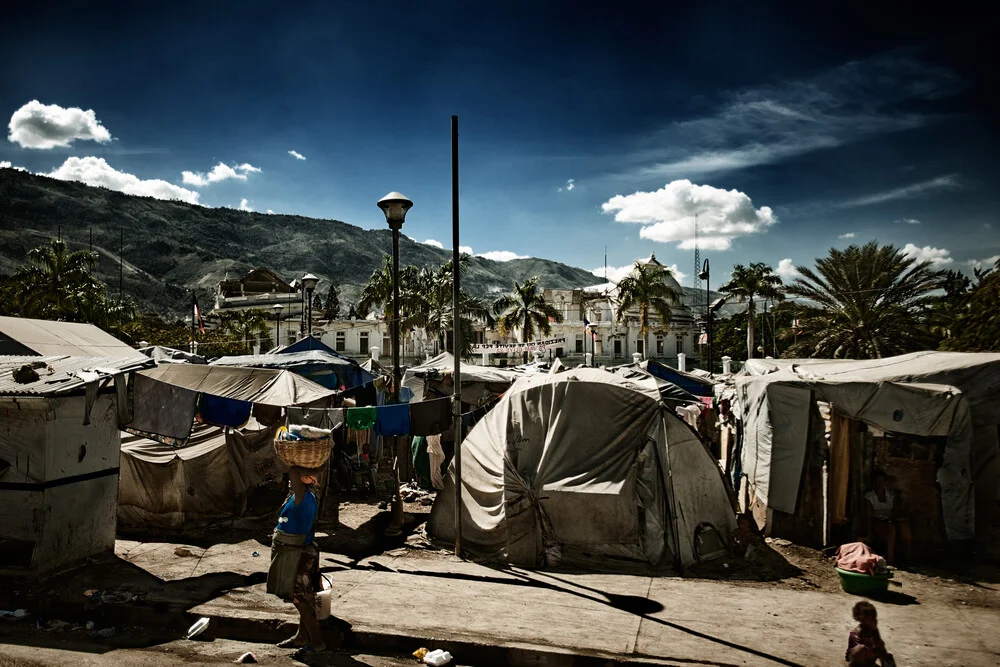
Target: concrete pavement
<point>419,601</point>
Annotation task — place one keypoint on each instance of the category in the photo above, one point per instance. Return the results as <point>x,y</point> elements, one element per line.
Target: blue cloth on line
<point>224,411</point>
<point>393,420</point>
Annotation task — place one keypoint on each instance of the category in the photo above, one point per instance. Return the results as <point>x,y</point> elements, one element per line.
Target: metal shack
<point>60,419</point>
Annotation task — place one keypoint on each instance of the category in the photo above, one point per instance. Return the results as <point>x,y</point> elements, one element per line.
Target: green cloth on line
<point>361,419</point>
<point>421,461</point>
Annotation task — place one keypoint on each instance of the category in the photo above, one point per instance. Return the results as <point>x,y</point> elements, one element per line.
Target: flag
<point>703,339</point>
<point>587,328</point>
<point>197,316</point>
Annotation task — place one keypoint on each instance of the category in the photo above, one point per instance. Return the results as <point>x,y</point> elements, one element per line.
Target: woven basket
<point>303,453</point>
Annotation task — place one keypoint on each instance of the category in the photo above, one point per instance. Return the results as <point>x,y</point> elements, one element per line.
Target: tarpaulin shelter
<point>328,370</point>
<point>205,481</point>
<point>689,382</point>
<point>434,378</point>
<point>23,336</point>
<point>948,395</point>
<point>584,465</point>
<point>279,388</point>
<point>169,355</point>
<point>670,393</point>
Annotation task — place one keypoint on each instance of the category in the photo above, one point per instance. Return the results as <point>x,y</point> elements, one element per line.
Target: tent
<point>670,393</point>
<point>328,370</point>
<point>23,336</point>
<point>581,466</point>
<point>434,378</point>
<point>949,395</point>
<point>278,388</point>
<point>208,480</point>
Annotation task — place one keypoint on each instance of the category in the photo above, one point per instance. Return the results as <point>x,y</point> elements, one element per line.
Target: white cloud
<point>97,172</point>
<point>786,269</point>
<point>668,214</point>
<point>848,235</point>
<point>432,242</point>
<point>570,185</point>
<point>5,165</point>
<point>297,155</point>
<point>616,273</point>
<point>908,221</point>
<point>928,254</point>
<point>245,205</point>
<point>270,212</point>
<point>987,225</point>
<point>220,172</point>
<point>501,255</point>
<point>948,182</point>
<point>465,250</point>
<point>988,262</point>
<point>37,125</point>
<point>772,123</point>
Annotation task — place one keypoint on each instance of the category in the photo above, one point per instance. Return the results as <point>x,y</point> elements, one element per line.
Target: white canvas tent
<point>948,394</point>
<point>587,465</point>
<point>437,374</point>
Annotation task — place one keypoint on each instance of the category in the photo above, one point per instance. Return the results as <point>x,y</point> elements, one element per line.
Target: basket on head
<point>303,453</point>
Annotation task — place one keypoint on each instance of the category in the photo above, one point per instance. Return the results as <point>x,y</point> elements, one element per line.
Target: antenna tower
<point>695,280</point>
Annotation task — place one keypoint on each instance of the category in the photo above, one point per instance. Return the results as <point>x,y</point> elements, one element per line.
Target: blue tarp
<point>329,369</point>
<point>689,383</point>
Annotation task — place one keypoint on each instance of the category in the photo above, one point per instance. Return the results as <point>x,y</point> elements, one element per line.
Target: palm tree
<point>747,283</point>
<point>525,309</point>
<point>430,303</point>
<point>55,283</point>
<point>864,302</point>
<point>646,289</point>
<point>377,292</point>
<point>246,324</point>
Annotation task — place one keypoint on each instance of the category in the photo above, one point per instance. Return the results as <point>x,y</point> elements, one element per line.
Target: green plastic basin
<point>856,583</point>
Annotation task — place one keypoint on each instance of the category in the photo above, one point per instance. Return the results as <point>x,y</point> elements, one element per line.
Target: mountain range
<point>169,248</point>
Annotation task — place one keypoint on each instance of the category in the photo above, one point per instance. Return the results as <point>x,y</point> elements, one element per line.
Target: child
<point>864,644</point>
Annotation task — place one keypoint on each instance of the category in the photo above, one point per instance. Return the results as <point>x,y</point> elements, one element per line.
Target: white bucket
<point>323,599</point>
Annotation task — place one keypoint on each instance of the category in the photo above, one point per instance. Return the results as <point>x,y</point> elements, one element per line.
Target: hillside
<point>172,247</point>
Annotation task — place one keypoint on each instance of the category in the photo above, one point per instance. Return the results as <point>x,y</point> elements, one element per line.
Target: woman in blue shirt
<point>294,572</point>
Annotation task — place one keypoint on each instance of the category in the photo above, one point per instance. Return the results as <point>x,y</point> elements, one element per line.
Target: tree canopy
<point>748,284</point>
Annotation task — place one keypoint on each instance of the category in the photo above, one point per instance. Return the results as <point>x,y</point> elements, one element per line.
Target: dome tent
<point>581,466</point>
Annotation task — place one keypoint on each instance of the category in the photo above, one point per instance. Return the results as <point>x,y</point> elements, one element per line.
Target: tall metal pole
<point>309,325</point>
<point>121,274</point>
<point>397,516</point>
<point>456,400</point>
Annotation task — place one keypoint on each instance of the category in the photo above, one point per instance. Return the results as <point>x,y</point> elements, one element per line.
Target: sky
<point>783,129</point>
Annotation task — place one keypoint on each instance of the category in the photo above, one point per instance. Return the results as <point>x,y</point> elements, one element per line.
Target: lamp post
<point>277,323</point>
<point>309,282</point>
<point>394,206</point>
<point>706,273</point>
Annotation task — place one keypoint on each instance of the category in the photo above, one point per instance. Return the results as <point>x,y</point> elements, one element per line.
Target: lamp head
<point>395,206</point>
<point>309,282</point>
<point>277,307</point>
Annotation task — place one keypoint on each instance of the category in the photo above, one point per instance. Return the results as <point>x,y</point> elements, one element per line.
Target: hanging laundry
<point>393,420</point>
<point>364,395</point>
<point>430,417</point>
<point>361,418</point>
<point>470,419</point>
<point>162,409</point>
<point>328,418</point>
<point>437,458</point>
<point>219,411</point>
<point>266,415</point>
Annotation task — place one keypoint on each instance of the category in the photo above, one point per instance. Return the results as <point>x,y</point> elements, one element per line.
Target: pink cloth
<point>857,557</point>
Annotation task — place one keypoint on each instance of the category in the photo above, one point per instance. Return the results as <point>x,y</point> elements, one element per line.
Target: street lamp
<point>705,274</point>
<point>309,282</point>
<point>277,323</point>
<point>394,206</point>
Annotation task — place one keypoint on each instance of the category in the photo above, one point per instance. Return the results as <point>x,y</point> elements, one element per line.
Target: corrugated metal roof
<point>21,336</point>
<point>62,374</point>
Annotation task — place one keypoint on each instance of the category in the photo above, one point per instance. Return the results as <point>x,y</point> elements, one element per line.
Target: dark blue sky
<point>782,128</point>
